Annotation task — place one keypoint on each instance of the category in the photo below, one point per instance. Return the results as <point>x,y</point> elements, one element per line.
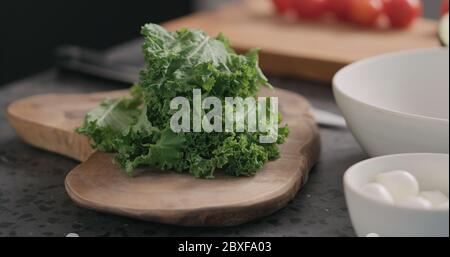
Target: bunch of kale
<point>138,130</point>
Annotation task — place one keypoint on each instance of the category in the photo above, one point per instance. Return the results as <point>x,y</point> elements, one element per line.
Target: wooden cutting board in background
<point>48,122</point>
<point>308,49</point>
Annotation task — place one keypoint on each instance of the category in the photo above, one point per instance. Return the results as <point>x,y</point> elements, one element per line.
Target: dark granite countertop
<point>33,201</point>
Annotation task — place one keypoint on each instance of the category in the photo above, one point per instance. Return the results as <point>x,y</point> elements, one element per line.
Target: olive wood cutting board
<point>307,49</point>
<point>48,122</point>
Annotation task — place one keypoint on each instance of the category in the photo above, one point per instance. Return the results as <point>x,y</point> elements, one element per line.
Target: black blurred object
<point>93,63</point>
<point>30,30</point>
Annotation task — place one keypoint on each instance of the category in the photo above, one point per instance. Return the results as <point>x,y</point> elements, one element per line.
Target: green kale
<point>138,129</point>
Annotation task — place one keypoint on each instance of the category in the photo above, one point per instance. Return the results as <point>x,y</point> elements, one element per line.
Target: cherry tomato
<point>340,8</point>
<point>402,13</point>
<point>283,6</point>
<point>444,7</point>
<point>385,4</point>
<point>311,9</point>
<point>365,12</point>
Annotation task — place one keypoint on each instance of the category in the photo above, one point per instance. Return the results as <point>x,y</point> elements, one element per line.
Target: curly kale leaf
<point>138,130</point>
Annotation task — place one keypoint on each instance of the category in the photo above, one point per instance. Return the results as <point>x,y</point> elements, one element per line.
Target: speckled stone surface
<point>33,201</point>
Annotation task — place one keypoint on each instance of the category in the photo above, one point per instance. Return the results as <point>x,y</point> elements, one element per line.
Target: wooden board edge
<point>54,140</point>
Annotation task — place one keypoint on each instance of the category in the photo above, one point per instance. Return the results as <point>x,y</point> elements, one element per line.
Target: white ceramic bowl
<point>397,103</point>
<point>370,216</point>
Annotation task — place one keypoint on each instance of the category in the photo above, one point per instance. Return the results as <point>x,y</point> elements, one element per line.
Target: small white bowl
<point>397,103</point>
<point>372,217</point>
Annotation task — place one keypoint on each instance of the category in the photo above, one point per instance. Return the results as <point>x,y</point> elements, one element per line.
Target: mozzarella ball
<point>378,192</point>
<point>401,184</point>
<point>415,202</point>
<point>436,198</point>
